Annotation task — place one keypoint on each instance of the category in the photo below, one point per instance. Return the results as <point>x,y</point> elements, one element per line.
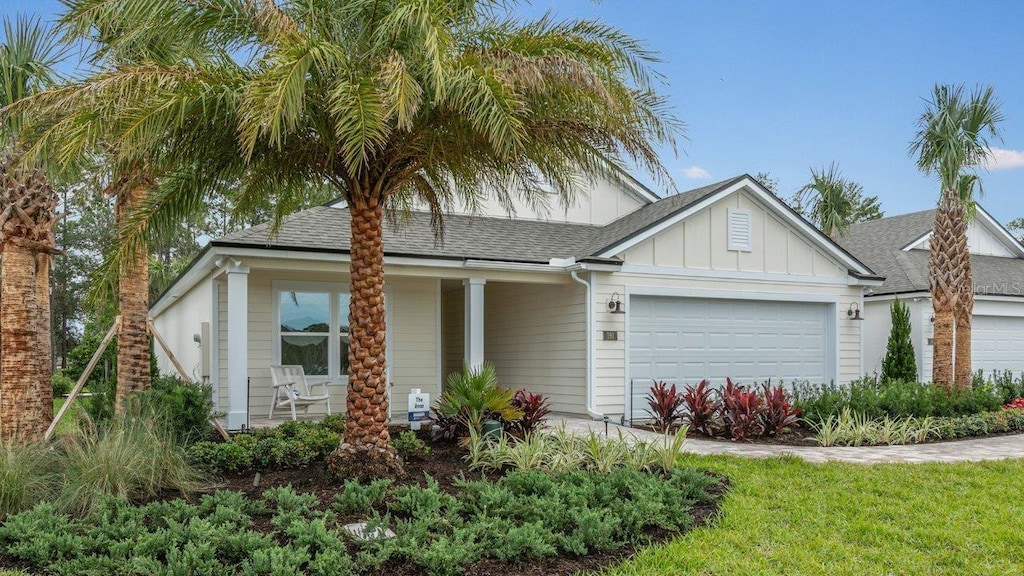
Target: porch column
<point>238,344</point>
<point>474,336</point>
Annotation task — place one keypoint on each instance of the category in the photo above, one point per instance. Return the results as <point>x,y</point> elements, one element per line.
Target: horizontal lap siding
<point>413,340</point>
<point>534,335</point>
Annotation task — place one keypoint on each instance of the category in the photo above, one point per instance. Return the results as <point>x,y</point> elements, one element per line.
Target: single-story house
<point>586,305</point>
<point>897,248</point>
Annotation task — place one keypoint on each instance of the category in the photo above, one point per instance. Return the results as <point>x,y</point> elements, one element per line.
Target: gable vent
<point>739,230</point>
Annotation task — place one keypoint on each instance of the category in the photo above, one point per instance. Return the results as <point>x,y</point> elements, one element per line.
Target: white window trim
<point>732,244</point>
<point>333,343</point>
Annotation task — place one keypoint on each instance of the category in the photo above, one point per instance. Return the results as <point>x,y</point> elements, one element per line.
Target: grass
<point>69,422</point>
<point>784,516</point>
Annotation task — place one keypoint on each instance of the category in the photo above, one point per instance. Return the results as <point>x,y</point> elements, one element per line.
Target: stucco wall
<point>180,327</point>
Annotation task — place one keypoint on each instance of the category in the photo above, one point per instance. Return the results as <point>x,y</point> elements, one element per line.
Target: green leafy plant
<point>473,395</point>
<point>409,445</point>
<point>900,361</point>
<point>187,408</point>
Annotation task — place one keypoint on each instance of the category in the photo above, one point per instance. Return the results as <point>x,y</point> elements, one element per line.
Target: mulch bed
<point>445,465</point>
<point>794,437</point>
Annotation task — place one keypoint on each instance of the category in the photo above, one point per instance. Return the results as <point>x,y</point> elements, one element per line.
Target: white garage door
<point>997,343</point>
<point>683,340</point>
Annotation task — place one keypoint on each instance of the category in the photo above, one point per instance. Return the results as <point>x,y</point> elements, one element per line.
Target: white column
<point>474,336</point>
<point>238,344</point>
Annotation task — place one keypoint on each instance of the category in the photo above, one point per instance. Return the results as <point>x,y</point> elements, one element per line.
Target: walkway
<point>995,448</point>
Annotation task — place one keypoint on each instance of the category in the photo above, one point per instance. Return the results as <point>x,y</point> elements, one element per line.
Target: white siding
<point>535,336</point>
<point>980,240</point>
<point>701,242</point>
<point>179,328</point>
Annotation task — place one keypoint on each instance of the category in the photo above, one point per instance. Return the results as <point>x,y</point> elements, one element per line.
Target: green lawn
<point>787,517</point>
<point>68,422</point>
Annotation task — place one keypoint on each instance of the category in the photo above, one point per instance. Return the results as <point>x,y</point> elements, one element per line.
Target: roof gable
<point>648,222</point>
<point>985,237</point>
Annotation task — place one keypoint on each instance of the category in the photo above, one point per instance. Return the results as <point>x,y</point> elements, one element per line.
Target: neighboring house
<point>587,305</point>
<point>897,248</point>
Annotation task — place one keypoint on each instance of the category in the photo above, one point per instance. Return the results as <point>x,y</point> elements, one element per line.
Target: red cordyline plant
<point>702,407</point>
<point>742,411</point>
<point>535,410</point>
<point>1017,404</point>
<point>779,413</point>
<point>665,403</point>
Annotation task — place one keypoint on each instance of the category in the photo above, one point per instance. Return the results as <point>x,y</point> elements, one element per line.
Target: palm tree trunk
<point>133,352</point>
<point>365,450</point>
<point>945,280</point>
<point>44,332</point>
<point>964,315</point>
<point>20,402</point>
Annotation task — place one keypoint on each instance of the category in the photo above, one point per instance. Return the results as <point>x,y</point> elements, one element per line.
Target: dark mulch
<point>445,464</point>
<point>799,436</point>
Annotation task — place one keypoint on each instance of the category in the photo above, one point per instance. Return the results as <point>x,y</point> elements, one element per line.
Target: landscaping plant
<point>473,395</point>
<point>535,410</point>
<point>742,411</point>
<point>664,404</point>
<point>702,408</point>
<point>779,413</point>
<point>900,362</point>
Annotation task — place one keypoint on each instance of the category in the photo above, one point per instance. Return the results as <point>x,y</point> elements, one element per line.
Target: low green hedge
<point>290,445</point>
<point>523,516</point>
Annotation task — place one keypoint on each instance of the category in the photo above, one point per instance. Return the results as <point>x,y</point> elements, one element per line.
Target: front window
<point>305,331</point>
<point>313,328</point>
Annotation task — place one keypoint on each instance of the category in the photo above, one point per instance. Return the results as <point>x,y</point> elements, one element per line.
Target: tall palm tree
<point>28,206</point>
<point>952,139</point>
<point>386,101</point>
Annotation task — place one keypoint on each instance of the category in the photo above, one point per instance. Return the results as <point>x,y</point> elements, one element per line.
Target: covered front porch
<point>270,311</point>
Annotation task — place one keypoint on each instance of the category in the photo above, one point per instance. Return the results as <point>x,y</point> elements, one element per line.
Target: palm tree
<point>386,101</point>
<point>830,201</point>
<point>27,216</point>
<point>952,138</point>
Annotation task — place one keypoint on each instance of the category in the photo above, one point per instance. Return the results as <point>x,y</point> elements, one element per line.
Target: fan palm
<point>952,138</point>
<point>830,200</point>
<point>28,205</point>
<point>389,102</point>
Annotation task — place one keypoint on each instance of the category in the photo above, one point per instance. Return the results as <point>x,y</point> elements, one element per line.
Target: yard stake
<point>85,376</point>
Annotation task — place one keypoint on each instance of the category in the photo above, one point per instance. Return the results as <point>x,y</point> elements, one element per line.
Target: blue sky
<point>786,85</point>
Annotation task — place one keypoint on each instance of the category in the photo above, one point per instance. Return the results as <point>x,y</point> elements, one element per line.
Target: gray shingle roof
<point>879,244</point>
<point>327,229</point>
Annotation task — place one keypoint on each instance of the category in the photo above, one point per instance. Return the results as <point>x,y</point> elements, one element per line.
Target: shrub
<point>900,362</point>
<point>61,384</point>
<point>779,414</point>
<point>851,429</point>
<point>187,407</point>
<point>409,445</point>
<point>664,404</point>
<point>359,498</point>
<point>26,477</point>
<point>473,395</point>
<point>534,408</point>
<point>219,456</point>
<point>702,408</point>
<point>1016,404</point>
<point>742,411</point>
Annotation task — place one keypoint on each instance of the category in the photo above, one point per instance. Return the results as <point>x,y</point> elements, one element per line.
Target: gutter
<point>590,342</point>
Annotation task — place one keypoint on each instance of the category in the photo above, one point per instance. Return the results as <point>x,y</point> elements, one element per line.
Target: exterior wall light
<point>853,312</point>
<point>615,304</point>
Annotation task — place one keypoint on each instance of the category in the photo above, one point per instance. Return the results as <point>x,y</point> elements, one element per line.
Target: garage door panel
<point>684,340</point>
<point>997,343</point>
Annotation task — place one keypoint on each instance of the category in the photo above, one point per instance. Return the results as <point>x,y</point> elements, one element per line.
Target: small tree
<point>899,362</point>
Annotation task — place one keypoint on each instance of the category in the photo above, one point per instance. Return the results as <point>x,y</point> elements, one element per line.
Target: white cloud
<point>697,173</point>
<point>1002,159</point>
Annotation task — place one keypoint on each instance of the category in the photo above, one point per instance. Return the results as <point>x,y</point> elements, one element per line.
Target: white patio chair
<point>292,390</point>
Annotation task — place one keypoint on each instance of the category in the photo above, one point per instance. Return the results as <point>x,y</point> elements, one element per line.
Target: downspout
<point>590,345</point>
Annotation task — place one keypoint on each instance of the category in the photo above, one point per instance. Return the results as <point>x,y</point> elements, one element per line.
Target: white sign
<point>419,408</point>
